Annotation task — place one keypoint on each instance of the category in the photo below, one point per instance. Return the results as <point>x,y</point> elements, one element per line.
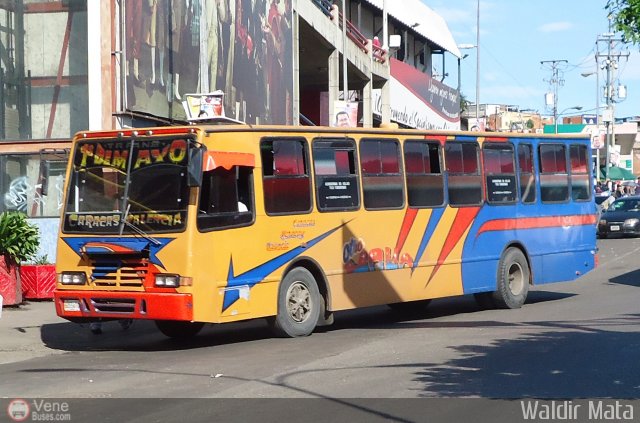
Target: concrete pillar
<point>334,82</point>
<point>386,102</point>
<point>367,92</point>
<point>296,69</point>
<point>94,65</point>
<point>367,104</point>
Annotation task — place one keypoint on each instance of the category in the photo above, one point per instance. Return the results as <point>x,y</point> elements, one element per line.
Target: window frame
<point>202,218</point>
<point>585,173</point>
<point>543,175</point>
<point>531,173</point>
<point>478,175</point>
<point>364,176</point>
<point>441,175</point>
<point>500,146</point>
<point>307,174</point>
<point>355,177</point>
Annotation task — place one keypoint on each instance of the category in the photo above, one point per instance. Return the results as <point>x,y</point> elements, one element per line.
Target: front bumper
<point>618,228</point>
<point>90,305</point>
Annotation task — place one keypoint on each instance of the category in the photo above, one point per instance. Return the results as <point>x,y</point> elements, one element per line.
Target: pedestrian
<point>96,327</point>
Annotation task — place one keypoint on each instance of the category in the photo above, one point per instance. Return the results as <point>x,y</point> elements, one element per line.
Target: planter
<point>38,280</point>
<point>10,287</point>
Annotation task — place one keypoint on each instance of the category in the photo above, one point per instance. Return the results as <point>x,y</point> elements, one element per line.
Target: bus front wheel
<point>298,305</point>
<point>179,329</point>
<point>513,280</point>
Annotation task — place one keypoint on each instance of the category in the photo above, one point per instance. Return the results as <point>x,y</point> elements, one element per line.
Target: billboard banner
<point>419,101</point>
<point>242,48</point>
<point>346,113</point>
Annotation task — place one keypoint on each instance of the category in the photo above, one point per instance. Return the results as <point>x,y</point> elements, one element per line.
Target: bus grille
<point>114,305</point>
<point>119,273</point>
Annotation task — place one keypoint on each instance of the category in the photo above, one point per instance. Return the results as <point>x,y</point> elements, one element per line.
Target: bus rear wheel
<point>513,280</point>
<point>179,329</point>
<point>298,305</point>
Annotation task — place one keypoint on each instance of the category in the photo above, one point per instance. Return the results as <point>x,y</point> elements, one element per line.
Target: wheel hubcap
<point>516,279</point>
<point>298,302</point>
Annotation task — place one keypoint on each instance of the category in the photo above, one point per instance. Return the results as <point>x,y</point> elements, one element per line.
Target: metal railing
<point>324,5</point>
<point>379,54</point>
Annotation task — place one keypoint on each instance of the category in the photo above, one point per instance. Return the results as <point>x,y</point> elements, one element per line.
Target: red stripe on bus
<point>462,221</point>
<point>407,224</point>
<point>537,222</point>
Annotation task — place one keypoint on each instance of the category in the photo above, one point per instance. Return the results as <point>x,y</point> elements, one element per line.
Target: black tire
<point>179,329</point>
<point>299,305</point>
<point>485,300</point>
<point>602,236</point>
<point>410,307</point>
<point>513,280</point>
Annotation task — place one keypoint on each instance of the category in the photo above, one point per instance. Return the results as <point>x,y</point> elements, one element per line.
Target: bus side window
<point>226,198</point>
<point>500,173</point>
<point>580,181</point>
<point>527,179</point>
<point>554,177</point>
<point>334,163</point>
<point>425,180</point>
<point>286,180</point>
<point>464,179</point>
<point>382,180</point>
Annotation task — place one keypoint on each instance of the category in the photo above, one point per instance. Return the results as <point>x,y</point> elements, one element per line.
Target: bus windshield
<point>153,198</point>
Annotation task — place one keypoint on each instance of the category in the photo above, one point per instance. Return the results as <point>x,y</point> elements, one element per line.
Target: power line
<point>555,81</point>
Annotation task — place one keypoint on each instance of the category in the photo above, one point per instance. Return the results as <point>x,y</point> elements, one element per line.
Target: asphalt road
<point>570,340</point>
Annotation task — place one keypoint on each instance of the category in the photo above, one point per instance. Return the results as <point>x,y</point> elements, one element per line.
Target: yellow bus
<point>200,224</point>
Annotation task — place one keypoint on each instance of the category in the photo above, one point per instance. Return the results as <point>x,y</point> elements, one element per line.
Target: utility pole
<point>555,81</point>
<point>611,96</point>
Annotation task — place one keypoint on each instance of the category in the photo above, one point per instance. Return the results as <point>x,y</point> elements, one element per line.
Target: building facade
<point>72,65</point>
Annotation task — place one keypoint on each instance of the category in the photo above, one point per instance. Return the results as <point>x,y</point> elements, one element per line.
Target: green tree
<point>530,124</point>
<point>464,103</point>
<point>626,18</point>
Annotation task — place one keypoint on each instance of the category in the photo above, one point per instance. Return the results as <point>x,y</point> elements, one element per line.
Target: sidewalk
<point>21,331</point>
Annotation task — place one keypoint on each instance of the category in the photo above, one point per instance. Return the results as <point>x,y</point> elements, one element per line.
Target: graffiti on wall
<point>27,198</point>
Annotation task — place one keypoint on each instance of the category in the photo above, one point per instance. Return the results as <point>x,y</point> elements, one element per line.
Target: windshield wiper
<point>136,229</point>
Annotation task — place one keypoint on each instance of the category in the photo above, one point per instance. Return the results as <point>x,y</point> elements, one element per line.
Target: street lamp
<point>562,112</point>
<point>477,47</point>
<point>468,47</point>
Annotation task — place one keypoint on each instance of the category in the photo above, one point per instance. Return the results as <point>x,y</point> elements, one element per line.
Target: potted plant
<point>19,241</point>
<point>38,278</point>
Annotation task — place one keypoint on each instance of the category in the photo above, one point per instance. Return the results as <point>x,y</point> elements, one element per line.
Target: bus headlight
<point>72,278</point>
<point>165,280</point>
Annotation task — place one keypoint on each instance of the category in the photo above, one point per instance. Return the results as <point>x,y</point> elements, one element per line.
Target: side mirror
<point>194,169</point>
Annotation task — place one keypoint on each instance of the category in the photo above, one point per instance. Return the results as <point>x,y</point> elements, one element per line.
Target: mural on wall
<point>241,47</point>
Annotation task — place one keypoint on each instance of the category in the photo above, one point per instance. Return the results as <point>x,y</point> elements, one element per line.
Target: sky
<point>516,35</point>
